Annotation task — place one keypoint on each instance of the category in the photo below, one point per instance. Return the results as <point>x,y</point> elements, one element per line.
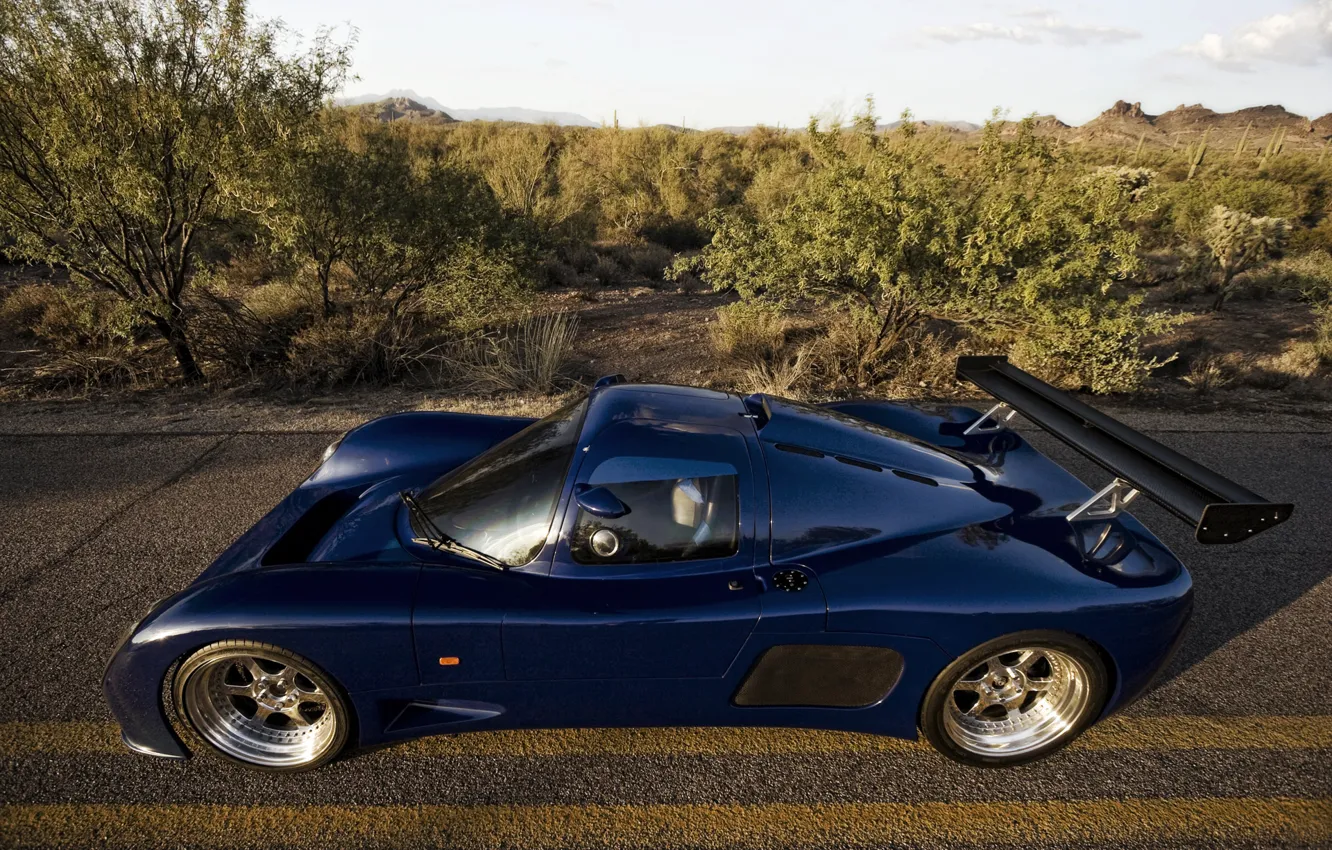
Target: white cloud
<point>1301,37</point>
<point>1044,29</point>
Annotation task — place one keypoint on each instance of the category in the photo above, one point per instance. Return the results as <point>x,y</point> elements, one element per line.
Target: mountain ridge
<point>518,114</point>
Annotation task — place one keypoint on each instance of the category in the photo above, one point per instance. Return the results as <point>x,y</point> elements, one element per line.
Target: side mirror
<point>599,501</point>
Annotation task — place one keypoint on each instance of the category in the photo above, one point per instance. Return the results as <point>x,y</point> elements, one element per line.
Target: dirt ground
<point>657,332</point>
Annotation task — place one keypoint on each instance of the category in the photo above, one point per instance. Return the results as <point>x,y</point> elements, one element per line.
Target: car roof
<point>662,402</point>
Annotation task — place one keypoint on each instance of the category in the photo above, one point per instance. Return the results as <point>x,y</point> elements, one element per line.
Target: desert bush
<point>1212,372</point>
<point>1239,241</point>
<point>1094,349</point>
<point>649,260</point>
<point>92,337</point>
<point>248,331</point>
<point>1322,341</point>
<point>888,230</point>
<point>532,355</point>
<point>785,374</point>
<point>749,331</point>
<point>607,272</point>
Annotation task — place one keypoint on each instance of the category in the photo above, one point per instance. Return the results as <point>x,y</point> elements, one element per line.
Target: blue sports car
<point>662,556</point>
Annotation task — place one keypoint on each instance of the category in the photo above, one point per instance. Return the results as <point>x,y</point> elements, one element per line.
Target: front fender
<point>352,621</point>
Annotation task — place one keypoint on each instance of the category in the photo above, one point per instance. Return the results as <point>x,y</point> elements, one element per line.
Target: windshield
<point>501,503</point>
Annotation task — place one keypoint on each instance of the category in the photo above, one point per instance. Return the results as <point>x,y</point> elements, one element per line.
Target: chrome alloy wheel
<point>1016,702</point>
<point>261,708</point>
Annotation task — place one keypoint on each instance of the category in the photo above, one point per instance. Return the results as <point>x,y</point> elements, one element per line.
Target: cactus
<point>1195,156</point>
<point>1273,147</point>
<point>1239,148</point>
<point>1137,152</point>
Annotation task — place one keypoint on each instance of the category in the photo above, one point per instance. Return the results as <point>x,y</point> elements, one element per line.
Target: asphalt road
<point>1233,747</point>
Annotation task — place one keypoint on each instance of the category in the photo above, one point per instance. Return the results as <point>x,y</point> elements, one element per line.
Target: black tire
<point>936,704</point>
<point>196,729</point>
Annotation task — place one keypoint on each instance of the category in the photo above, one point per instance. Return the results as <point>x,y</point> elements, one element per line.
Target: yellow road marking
<point>18,739</point>
<point>664,826</point>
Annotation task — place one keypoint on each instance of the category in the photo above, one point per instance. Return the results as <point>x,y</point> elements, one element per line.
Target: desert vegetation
<point>181,204</point>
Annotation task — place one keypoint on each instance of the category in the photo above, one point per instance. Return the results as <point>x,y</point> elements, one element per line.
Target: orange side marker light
<point>449,661</point>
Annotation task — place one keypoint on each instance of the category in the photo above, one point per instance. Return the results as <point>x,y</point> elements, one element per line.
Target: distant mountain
<point>403,109</point>
<point>502,113</point>
<point>1125,122</point>
<point>959,126</point>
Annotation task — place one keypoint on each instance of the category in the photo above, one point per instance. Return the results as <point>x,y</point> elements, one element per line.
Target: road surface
<point>1233,747</point>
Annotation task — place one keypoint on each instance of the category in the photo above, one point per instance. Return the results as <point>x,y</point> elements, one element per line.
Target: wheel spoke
<point>1026,658</point>
<point>252,667</point>
<point>969,686</point>
<point>239,690</point>
<point>294,714</point>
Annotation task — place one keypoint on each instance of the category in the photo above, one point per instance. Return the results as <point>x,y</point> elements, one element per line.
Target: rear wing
<point>1220,510</point>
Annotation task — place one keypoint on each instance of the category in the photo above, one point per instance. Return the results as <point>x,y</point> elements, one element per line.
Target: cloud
<point>1301,37</point>
<point>1045,28</point>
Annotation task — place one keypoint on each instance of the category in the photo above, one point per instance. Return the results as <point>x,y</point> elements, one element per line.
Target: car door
<point>666,589</point>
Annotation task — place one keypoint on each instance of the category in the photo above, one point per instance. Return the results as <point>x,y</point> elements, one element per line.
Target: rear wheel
<point>262,706</point>
<point>1015,699</point>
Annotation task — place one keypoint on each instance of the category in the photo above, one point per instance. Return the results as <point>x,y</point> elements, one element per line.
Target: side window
<point>680,517</point>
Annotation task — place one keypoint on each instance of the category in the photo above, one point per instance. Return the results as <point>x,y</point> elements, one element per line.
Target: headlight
<point>332,447</point>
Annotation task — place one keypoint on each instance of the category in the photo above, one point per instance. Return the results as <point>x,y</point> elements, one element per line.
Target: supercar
<point>669,556</point>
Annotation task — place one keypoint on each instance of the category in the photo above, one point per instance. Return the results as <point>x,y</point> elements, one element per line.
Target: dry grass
<point>750,332</point>
<point>786,376</point>
<point>533,355</point>
<point>1212,372</point>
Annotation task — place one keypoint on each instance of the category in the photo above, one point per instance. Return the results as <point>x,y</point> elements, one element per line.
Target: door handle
<point>735,585</point>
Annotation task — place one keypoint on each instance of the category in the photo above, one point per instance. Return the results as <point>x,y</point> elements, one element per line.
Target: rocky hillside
<point>1254,127</point>
<point>403,109</point>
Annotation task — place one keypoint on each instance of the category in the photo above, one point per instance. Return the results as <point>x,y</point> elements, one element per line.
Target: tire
<point>261,706</point>
<point>1015,699</point>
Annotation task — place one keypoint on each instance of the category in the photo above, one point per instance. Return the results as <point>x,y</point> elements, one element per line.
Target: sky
<point>707,63</point>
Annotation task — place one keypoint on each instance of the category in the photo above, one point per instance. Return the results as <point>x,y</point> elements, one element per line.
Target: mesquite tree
<point>128,127</point>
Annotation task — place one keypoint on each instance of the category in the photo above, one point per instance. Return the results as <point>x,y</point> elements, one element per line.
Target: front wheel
<point>262,706</point>
<point>1015,699</point>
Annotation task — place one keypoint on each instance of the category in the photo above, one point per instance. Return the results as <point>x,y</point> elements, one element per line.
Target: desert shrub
<point>1091,348</point>
<point>333,351</point>
<point>1322,341</point>
<point>532,355</point>
<point>1185,208</point>
<point>785,374</point>
<point>1308,274</point>
<point>248,331</point>
<point>368,346</point>
<point>581,256</point>
<point>650,260</point>
<point>92,336</point>
<point>607,272</point>
<point>1212,372</point>
<point>750,331</point>
<point>886,231</point>
<point>556,272</point>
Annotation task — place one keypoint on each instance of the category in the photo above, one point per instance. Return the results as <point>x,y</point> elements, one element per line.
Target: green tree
<point>127,128</point>
<point>411,226</point>
<point>872,229</point>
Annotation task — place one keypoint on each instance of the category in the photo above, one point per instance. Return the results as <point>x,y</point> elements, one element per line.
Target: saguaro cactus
<point>1239,148</point>
<point>1195,154</point>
